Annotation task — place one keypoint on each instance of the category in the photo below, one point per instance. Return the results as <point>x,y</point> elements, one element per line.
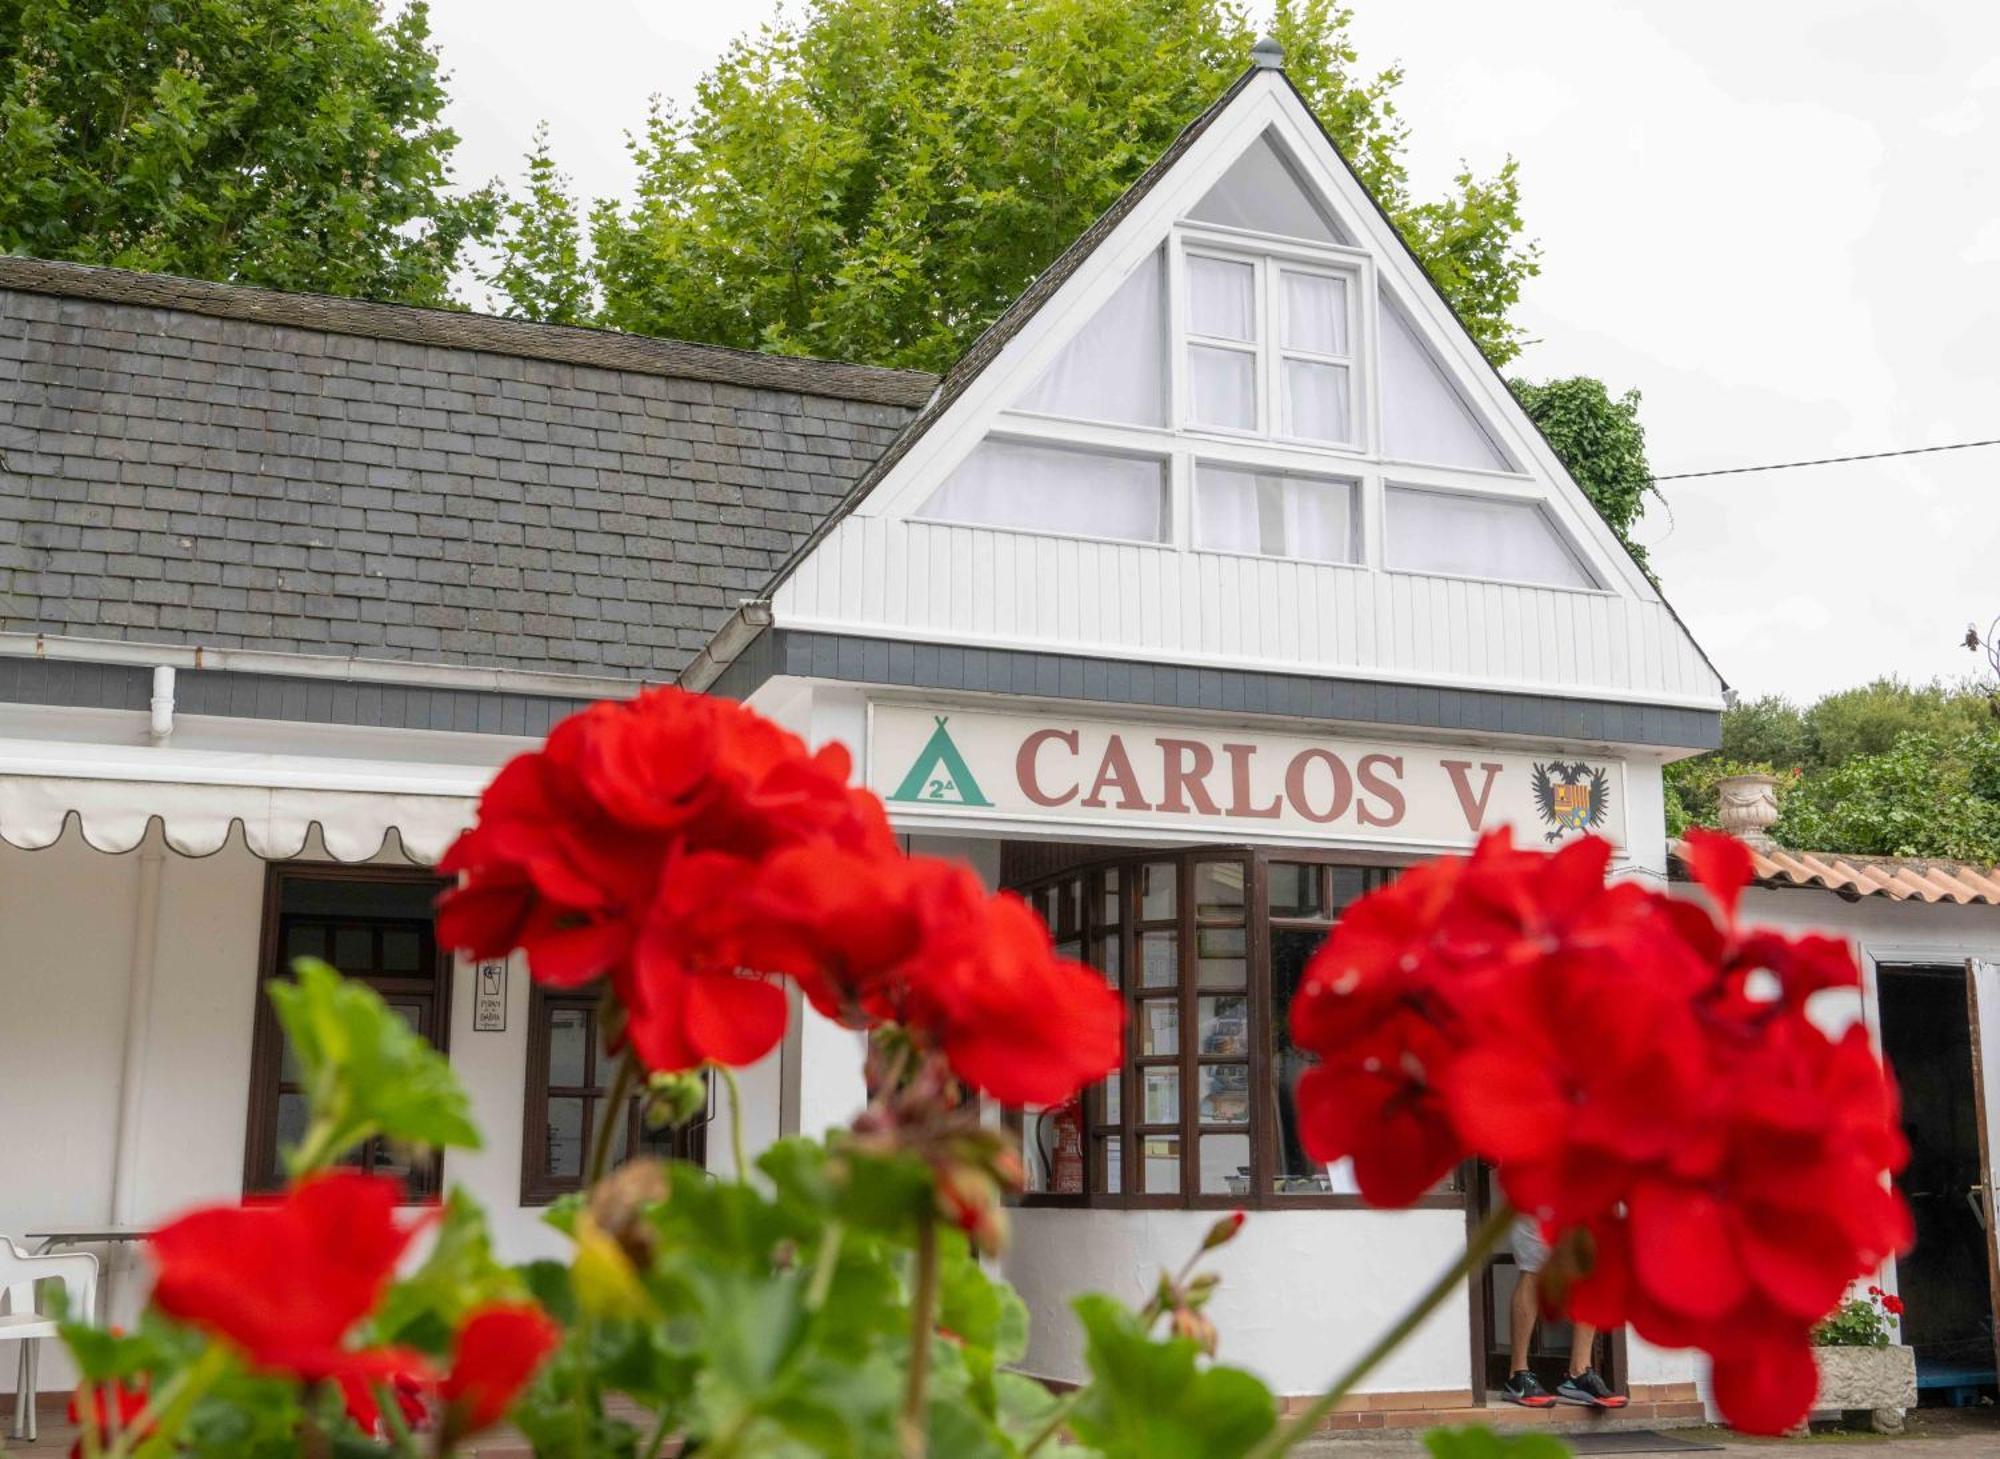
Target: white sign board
<point>489,996</point>
<point>1229,784</point>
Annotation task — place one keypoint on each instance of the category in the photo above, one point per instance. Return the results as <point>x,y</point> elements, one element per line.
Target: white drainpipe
<point>138,1019</point>
<point>163,701</point>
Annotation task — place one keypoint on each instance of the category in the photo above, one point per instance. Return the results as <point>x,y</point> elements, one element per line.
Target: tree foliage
<point>541,273</point>
<point>289,143</point>
<point>1599,438</point>
<point>1887,769</point>
<point>876,180</point>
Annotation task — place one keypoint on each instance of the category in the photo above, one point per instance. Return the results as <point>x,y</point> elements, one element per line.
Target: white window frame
<point>1268,264</point>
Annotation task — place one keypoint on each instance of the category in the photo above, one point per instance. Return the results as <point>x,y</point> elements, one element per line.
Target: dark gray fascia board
<point>298,700</point>
<point>951,668</point>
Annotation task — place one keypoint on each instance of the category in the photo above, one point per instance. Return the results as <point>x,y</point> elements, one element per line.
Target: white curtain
<point>1315,313</point>
<point>1222,298</point>
<point>1055,489</point>
<point>1222,387</point>
<point>1423,418</point>
<point>1316,401</point>
<point>1481,537</point>
<point>1274,515</point>
<point>1115,367</point>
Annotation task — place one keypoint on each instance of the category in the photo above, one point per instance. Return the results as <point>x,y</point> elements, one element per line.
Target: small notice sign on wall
<point>489,997</point>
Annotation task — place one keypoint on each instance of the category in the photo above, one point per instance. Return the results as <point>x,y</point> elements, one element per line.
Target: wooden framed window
<point>375,925</point>
<point>1207,947</point>
<point>568,1084</point>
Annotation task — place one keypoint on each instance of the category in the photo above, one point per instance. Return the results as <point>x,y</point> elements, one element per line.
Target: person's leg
<point>1523,1313</point>
<point>1582,1349</point>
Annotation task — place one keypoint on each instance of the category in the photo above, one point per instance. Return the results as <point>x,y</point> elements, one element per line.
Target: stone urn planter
<point>1878,1382</point>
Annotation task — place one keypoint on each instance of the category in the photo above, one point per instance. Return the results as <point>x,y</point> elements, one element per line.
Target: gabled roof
<point>1898,878</point>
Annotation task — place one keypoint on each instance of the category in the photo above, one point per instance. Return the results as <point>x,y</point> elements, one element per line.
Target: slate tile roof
<point>190,462</point>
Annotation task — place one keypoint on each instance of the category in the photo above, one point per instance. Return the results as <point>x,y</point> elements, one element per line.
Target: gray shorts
<point>1531,1253</point>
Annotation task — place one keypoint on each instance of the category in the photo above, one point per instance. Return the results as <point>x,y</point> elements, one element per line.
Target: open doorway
<point>1948,1306</point>
<point>1492,1327</point>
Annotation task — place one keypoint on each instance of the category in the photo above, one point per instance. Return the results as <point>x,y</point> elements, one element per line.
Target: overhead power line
<point>1827,460</point>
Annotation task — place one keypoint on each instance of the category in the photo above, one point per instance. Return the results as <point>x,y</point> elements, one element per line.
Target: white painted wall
<point>1303,1292</point>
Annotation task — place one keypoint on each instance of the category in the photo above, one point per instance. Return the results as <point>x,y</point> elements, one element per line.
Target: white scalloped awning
<point>116,793</point>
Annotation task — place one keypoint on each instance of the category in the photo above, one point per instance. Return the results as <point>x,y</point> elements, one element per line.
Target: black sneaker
<point>1526,1389</point>
<point>1587,1390</point>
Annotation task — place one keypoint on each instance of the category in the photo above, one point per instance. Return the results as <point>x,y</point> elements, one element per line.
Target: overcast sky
<point>1778,219</point>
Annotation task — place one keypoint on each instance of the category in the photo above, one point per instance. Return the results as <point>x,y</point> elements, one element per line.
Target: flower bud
<point>1224,1231</point>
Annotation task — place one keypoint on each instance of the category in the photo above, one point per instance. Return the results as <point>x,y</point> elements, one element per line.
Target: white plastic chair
<point>24,1322</point>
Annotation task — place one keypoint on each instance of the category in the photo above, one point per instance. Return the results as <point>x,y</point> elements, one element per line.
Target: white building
<point>1222,576</point>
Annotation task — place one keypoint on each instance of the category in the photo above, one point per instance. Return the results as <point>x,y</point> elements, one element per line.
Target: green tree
<point>290,143</point>
<point>877,179</point>
<point>1871,719</point>
<point>1926,795</point>
<point>541,272</point>
<point>1599,438</point>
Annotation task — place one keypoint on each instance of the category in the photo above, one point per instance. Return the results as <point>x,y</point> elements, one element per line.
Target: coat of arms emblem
<point>1571,795</point>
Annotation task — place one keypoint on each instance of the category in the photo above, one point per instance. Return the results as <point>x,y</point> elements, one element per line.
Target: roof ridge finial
<point>1268,55</point>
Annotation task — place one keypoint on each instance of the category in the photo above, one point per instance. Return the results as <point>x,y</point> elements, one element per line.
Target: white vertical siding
<point>946,583</point>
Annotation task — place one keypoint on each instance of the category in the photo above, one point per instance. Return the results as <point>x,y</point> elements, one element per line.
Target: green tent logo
<point>939,774</point>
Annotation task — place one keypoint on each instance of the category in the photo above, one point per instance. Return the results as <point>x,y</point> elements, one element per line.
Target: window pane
<point>1474,536</point>
<point>1115,368</point>
<point>1315,314</point>
<point>353,949</point>
<point>1113,1102</point>
<point>1157,887</point>
<point>1222,1026</point>
<point>1161,1159</point>
<point>1221,960</point>
<point>1222,387</point>
<point>1110,957</point>
<point>1069,908</point>
<point>1114,1164</point>
<point>1225,1094</point>
<point>1218,889</point>
<point>292,1119</point>
<point>1294,889</point>
<point>1055,489</point>
<point>1222,298</point>
<point>1225,1165</point>
<point>564,1154</point>
<point>1423,416</point>
<point>1259,193</point>
<point>1316,401</point>
<point>402,952</point>
<point>569,1046</point>
<point>1159,1027</point>
<point>1350,883</point>
<point>1274,514</point>
<point>1292,1170</point>
<point>1159,959</point>
<point>1112,910</point>
<point>1070,949</point>
<point>1162,1102</point>
<point>305,940</point>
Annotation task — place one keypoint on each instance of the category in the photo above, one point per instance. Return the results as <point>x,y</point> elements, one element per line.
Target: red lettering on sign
<point>1390,794</point>
<point>1239,787</point>
<point>1475,809</point>
<point>1024,766</point>
<point>1115,769</point>
<point>1185,764</point>
<point>1296,788</point>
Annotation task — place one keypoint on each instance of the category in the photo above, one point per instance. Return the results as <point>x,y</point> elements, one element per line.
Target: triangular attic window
<point>1115,367</point>
<point>1424,419</point>
<point>1260,193</point>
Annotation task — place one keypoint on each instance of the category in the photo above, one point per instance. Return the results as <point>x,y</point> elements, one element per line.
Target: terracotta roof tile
<point>1899,878</point>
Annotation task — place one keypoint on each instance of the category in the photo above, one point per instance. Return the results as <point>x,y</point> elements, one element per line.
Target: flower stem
<point>1282,1439</point>
<point>923,1318</point>
<point>614,1114</point>
<point>168,1408</point>
<point>1058,1416</point>
<point>735,1119</point>
<point>824,1265</point>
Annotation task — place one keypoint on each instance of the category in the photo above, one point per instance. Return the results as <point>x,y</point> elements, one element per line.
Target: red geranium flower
<point>114,1408</point>
<point>498,1350</point>
<point>285,1282</point>
<point>1637,1068</point>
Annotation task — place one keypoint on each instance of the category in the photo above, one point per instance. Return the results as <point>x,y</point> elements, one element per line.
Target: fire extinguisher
<point>1065,1162</point>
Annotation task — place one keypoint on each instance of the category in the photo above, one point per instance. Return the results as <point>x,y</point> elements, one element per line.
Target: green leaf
<point>424,1309</point>
<point>366,1072</point>
<point>1479,1442</point>
<point>1151,1399</point>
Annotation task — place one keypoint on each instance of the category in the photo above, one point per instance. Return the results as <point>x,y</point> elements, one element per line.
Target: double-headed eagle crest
<point>1571,796</point>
